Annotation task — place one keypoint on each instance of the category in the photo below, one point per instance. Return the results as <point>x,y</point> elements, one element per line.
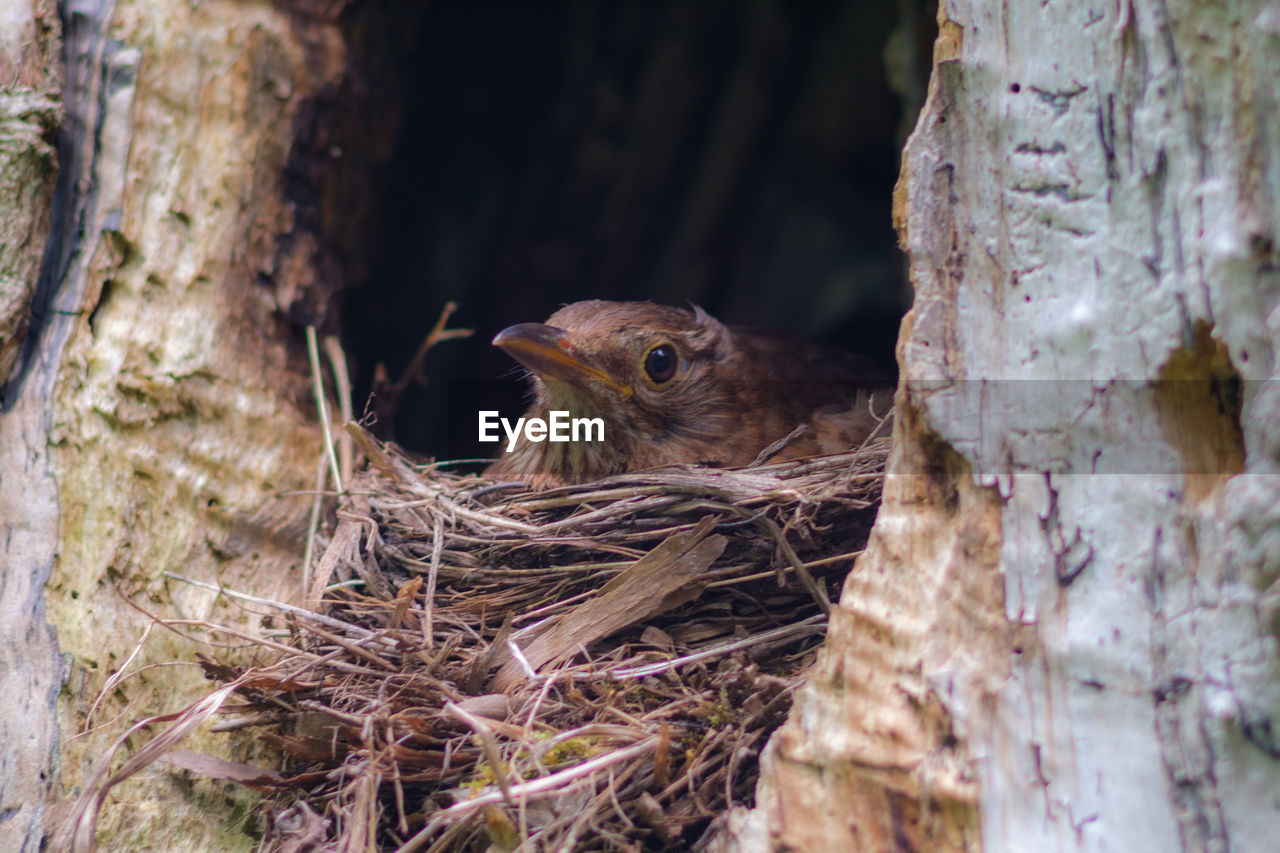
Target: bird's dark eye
<point>660,363</point>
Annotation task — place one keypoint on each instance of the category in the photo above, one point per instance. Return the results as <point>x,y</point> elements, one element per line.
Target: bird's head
<point>641,368</point>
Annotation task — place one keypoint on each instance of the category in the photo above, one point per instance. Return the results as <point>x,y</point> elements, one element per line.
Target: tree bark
<point>158,415</point>
<point>30,72</point>
<point>1063,633</point>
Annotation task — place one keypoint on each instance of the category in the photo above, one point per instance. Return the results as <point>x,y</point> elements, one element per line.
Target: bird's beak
<point>547,352</point>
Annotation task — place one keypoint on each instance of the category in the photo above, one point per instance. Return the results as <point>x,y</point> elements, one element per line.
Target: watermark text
<point>557,426</point>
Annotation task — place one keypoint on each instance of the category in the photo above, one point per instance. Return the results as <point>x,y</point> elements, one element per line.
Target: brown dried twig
<point>601,661</point>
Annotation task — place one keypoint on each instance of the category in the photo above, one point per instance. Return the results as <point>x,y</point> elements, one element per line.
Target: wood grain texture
<point>1091,204</point>
<point>159,417</point>
<point>31,671</point>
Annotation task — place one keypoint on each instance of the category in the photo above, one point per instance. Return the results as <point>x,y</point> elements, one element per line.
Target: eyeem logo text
<point>558,426</point>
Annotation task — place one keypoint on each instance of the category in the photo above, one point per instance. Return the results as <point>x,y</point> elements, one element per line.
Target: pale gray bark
<point>30,668</point>
<point>1063,635</point>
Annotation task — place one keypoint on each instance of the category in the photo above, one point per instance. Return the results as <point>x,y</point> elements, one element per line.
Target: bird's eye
<point>660,363</point>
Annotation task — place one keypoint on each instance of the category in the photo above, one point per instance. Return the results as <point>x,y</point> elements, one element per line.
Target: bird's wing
<point>791,357</point>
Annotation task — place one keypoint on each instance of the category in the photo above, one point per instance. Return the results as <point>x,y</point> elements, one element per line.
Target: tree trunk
<point>1063,633</point>
<point>159,419</point>
<point>29,666</point>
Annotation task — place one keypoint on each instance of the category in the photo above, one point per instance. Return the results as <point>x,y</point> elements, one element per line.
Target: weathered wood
<point>30,668</point>
<point>1063,635</point>
<point>29,81</point>
<point>159,416</point>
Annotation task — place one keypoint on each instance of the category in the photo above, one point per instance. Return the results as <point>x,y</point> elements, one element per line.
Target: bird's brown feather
<point>736,391</point>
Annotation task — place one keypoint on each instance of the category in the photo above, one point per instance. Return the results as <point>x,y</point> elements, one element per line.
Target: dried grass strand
<point>595,665</point>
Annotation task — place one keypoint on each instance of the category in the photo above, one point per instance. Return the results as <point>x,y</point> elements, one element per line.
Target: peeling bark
<point>1075,646</point>
<point>29,666</point>
<point>159,419</point>
<point>29,114</point>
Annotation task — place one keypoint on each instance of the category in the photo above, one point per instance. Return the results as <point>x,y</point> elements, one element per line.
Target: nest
<point>601,661</point>
<point>595,666</point>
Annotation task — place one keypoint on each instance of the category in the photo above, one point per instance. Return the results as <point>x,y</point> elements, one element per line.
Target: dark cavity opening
<point>519,156</point>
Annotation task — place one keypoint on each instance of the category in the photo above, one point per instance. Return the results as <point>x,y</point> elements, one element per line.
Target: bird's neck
<point>592,456</point>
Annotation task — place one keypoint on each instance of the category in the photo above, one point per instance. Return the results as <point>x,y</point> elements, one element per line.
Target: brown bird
<point>677,386</point>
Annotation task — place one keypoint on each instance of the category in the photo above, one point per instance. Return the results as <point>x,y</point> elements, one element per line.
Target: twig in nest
<point>338,361</point>
<point>386,394</point>
<point>659,652</point>
<point>556,783</point>
<point>438,333</point>
<point>322,406</point>
<point>76,834</point>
